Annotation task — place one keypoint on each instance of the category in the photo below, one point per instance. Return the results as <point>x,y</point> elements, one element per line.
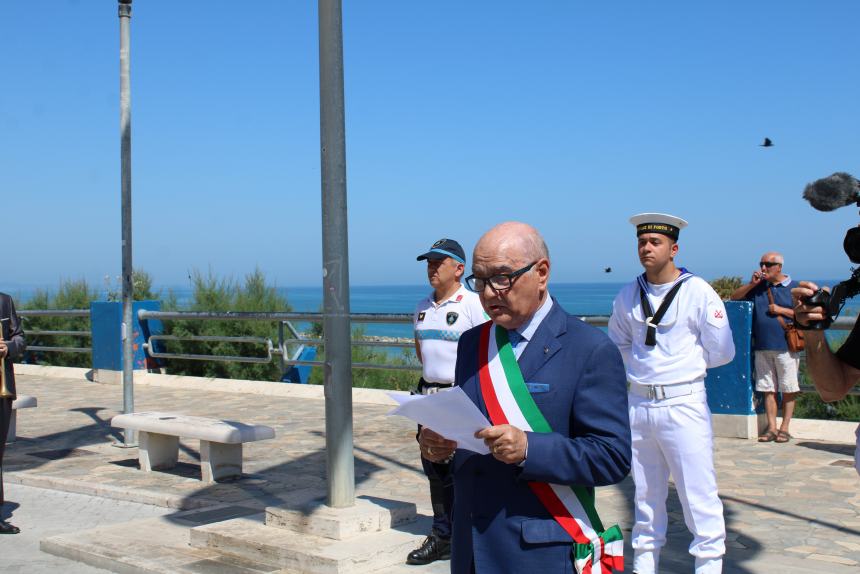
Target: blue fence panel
<point>730,387</point>
<point>106,321</point>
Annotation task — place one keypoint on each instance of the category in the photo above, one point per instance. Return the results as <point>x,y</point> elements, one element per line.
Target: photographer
<point>814,309</point>
<point>833,374</point>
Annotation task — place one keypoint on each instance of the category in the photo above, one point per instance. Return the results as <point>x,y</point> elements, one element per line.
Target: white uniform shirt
<point>693,336</point>
<point>438,328</point>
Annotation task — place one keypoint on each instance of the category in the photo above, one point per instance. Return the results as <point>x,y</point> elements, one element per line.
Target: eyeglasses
<point>768,264</point>
<point>499,282</point>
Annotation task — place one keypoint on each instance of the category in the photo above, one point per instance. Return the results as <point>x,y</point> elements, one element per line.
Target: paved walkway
<point>789,508</point>
<point>41,513</point>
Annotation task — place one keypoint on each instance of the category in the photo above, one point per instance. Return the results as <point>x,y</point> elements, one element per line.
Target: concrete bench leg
<point>219,460</point>
<point>157,451</point>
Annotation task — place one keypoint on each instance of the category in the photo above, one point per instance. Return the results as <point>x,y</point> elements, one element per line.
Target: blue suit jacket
<point>497,518</point>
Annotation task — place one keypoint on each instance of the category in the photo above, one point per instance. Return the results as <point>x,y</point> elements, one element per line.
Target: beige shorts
<point>776,370</point>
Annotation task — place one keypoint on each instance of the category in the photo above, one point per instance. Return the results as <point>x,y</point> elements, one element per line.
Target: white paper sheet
<point>449,413</point>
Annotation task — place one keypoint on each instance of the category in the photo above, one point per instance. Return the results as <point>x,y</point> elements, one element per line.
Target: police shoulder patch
<point>421,315</point>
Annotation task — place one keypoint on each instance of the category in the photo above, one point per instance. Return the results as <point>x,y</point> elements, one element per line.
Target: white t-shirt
<point>438,328</point>
<point>693,335</point>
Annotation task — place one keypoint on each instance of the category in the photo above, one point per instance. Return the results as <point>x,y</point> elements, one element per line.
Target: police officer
<point>439,320</point>
<point>671,326</point>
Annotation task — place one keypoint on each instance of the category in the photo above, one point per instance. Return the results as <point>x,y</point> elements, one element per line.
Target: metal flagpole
<point>125,178</point>
<point>336,327</point>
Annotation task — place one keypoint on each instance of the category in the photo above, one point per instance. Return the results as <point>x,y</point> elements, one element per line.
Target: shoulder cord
<point>778,316</point>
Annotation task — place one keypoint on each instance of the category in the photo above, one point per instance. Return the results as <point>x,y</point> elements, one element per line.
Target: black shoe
<point>433,548</point>
<point>6,528</point>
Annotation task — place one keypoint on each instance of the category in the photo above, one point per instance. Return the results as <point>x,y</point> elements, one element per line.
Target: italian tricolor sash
<point>508,401</point>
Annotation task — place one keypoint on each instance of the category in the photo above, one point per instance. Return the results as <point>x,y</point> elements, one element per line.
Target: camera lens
<point>852,244</point>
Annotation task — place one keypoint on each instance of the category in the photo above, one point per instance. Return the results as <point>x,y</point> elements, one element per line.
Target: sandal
<point>769,436</point>
<point>782,436</point>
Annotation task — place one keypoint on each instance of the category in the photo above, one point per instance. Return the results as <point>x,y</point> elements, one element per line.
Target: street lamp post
<point>125,179</point>
<point>338,373</point>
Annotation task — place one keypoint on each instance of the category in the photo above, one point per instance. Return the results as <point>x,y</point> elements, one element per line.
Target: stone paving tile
<point>41,513</point>
<point>776,497</point>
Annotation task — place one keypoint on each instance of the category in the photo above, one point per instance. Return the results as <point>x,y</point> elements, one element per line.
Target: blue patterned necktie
<point>516,339</point>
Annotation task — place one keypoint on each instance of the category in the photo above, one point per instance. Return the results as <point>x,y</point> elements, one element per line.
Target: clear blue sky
<point>569,115</point>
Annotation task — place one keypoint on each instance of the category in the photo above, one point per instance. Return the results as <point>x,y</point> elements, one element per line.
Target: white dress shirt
<point>520,337</point>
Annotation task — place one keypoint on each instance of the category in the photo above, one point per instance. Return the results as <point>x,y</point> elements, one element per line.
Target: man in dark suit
<point>11,346</point>
<point>576,439</point>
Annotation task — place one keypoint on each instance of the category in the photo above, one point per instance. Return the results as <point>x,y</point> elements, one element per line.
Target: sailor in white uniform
<point>439,320</point>
<point>671,326</point>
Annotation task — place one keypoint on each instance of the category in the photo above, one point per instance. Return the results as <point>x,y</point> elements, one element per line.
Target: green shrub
<point>725,286</point>
<point>72,294</point>
<point>810,406</point>
<point>394,380</point>
<point>141,284</point>
<point>211,294</point>
<point>219,295</point>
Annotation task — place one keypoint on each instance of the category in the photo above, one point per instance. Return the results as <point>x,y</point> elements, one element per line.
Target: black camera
<point>827,194</point>
<point>833,302</point>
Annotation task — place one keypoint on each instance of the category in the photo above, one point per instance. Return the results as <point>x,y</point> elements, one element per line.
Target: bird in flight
<point>767,143</point>
<point>607,270</point>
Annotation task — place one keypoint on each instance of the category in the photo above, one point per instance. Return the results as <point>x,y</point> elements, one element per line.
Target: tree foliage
<point>810,406</point>
<point>725,286</point>
<point>214,294</point>
<point>72,294</point>
<point>396,380</point>
<point>141,284</point>
<point>209,294</point>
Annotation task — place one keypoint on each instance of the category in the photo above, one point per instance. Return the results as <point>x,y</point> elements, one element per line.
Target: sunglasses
<point>768,264</point>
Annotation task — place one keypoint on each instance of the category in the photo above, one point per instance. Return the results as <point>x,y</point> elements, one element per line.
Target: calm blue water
<point>577,298</point>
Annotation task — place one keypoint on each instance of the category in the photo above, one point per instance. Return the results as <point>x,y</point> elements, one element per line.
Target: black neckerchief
<point>653,319</point>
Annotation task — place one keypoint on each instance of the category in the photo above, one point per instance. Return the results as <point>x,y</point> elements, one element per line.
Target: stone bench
<point>220,441</point>
<point>22,402</point>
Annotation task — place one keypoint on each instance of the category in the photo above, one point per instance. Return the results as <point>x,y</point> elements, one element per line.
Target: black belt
<point>425,388</point>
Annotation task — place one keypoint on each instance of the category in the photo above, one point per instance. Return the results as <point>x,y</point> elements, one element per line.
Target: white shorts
<point>776,370</point>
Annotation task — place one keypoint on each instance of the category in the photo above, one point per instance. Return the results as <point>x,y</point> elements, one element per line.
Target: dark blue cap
<point>445,248</point>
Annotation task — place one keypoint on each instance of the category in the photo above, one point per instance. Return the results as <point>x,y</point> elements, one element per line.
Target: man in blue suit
<point>574,375</point>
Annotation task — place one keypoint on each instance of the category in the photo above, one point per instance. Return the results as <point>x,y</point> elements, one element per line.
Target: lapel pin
<point>545,350</point>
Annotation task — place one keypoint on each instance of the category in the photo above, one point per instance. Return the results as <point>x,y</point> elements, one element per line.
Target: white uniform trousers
<point>674,436</point>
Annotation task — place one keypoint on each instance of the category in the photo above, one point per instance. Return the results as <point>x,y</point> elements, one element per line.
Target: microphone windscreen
<point>832,192</point>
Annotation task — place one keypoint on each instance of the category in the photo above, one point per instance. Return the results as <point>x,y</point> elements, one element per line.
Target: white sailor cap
<point>664,223</point>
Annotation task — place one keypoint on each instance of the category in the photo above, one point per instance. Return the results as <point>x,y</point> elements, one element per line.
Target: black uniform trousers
<point>441,495</point>
<point>440,476</point>
<point>5,419</point>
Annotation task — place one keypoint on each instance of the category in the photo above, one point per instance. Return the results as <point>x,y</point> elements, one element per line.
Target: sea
<point>577,298</point>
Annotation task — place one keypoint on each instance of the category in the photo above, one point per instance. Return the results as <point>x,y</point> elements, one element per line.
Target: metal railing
<point>280,349</point>
<point>277,349</point>
<point>284,319</point>
<point>26,314</point>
